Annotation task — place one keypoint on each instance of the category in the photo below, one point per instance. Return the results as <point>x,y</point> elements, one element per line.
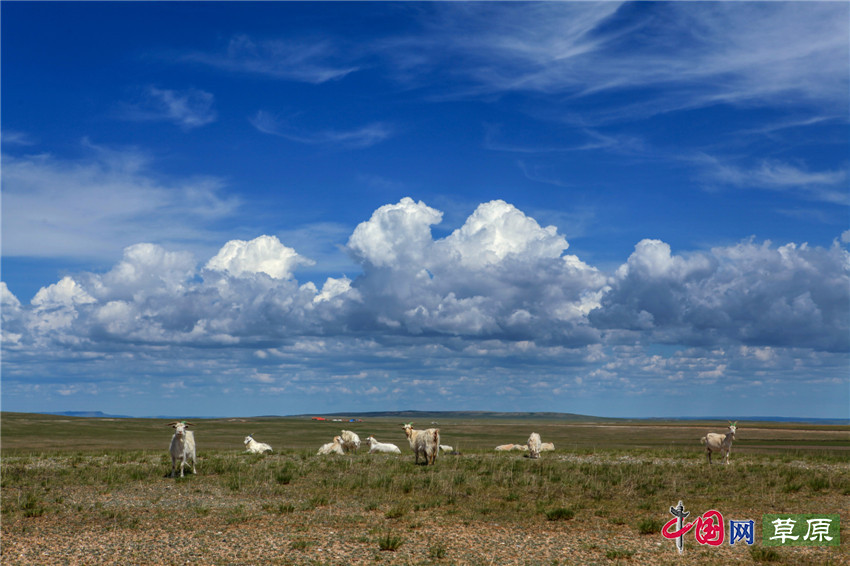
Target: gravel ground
<point>176,523</point>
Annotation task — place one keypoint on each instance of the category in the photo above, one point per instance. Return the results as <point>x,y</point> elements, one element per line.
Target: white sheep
<point>547,447</point>
<point>334,447</point>
<point>386,448</point>
<point>182,446</point>
<point>511,447</point>
<point>446,448</point>
<point>720,442</point>
<point>350,441</point>
<point>424,443</point>
<point>534,445</point>
<point>255,447</point>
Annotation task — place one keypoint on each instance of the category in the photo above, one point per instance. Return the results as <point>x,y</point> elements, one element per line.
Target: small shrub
<point>560,514</point>
<point>437,551</point>
<point>317,501</point>
<point>300,544</point>
<point>764,554</point>
<point>818,483</point>
<point>32,505</point>
<point>395,512</point>
<point>618,553</point>
<point>390,542</point>
<point>279,508</point>
<point>650,526</point>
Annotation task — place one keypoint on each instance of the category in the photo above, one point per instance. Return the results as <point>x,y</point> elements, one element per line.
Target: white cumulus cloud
<point>264,254</point>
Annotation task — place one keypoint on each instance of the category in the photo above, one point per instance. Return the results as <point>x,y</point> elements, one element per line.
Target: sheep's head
<point>179,427</point>
<point>408,429</point>
<point>733,427</point>
<point>248,439</point>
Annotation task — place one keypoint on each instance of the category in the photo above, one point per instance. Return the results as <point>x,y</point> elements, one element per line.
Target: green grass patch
<point>390,542</point>
<point>560,514</point>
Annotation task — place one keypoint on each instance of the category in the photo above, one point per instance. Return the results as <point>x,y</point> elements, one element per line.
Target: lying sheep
<point>334,447</point>
<point>511,447</point>
<point>255,447</point>
<point>547,447</point>
<point>386,448</point>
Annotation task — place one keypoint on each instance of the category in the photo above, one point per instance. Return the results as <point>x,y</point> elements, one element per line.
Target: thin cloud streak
<point>736,54</point>
<point>308,61</point>
<point>364,137</point>
<point>189,109</point>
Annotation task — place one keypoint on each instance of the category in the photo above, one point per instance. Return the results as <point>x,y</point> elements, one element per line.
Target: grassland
<point>95,491</point>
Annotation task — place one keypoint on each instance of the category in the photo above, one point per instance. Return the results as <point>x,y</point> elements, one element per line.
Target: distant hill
<point>89,414</point>
<point>436,415</point>
<point>420,416</point>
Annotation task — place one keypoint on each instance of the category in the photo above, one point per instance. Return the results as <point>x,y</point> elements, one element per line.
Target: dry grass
<point>596,501</point>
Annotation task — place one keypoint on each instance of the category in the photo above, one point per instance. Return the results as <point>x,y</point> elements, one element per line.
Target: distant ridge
<point>89,414</point>
<point>410,414</point>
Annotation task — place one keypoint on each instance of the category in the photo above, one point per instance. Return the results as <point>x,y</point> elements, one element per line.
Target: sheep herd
<point>424,443</point>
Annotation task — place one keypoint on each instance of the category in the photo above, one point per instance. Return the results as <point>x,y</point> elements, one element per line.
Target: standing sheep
<point>350,441</point>
<point>720,442</point>
<point>182,446</point>
<point>534,445</point>
<point>423,442</point>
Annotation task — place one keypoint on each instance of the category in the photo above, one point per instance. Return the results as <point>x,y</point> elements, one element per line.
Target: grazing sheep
<point>424,443</point>
<point>720,442</point>
<point>534,445</point>
<point>255,447</point>
<point>350,441</point>
<point>182,446</point>
<point>334,447</point>
<point>386,448</point>
<point>547,447</point>
<point>446,448</point>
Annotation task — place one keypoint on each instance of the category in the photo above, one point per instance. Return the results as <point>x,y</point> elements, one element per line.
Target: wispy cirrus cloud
<point>14,137</point>
<point>670,56</point>
<point>824,186</point>
<point>363,137</point>
<point>190,108</point>
<point>309,61</point>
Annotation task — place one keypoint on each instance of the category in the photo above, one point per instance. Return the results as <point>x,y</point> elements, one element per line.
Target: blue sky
<point>634,210</point>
